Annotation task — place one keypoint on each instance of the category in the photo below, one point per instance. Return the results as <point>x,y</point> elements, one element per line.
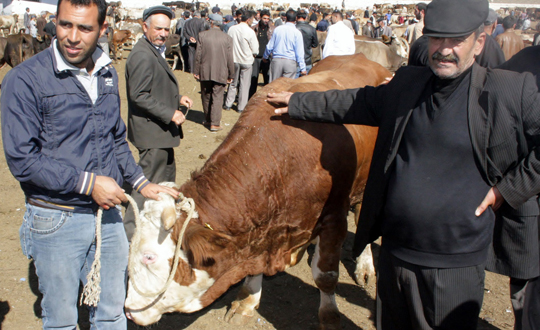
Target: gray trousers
<point>242,78</point>
<point>281,67</point>
<point>415,297</point>
<point>212,101</point>
<point>158,165</point>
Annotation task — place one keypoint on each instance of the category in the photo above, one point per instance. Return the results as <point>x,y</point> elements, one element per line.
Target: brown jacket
<point>214,56</point>
<point>510,43</point>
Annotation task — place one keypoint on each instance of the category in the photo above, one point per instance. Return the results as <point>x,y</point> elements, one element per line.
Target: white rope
<point>92,289</point>
<point>187,205</point>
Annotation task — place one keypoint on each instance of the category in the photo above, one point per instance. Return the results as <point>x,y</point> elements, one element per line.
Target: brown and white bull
<point>8,22</point>
<point>273,187</point>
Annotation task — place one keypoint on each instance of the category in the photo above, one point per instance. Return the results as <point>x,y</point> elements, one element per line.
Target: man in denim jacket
<point>64,141</point>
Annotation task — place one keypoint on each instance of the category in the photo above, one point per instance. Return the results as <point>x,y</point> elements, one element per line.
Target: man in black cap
<point>456,143</point>
<point>490,57</point>
<point>154,116</point>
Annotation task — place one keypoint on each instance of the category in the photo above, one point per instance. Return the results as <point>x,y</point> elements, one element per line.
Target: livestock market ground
<point>289,301</point>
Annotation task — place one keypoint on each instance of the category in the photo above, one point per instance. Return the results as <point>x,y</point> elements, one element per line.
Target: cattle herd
<point>126,30</point>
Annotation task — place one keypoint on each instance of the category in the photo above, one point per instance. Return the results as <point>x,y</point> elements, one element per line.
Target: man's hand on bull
<point>178,118</point>
<point>107,193</point>
<point>186,101</point>
<point>152,190</point>
<point>279,99</point>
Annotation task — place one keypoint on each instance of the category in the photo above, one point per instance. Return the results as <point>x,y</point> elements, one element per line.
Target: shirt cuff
<point>140,183</point>
<point>86,183</point>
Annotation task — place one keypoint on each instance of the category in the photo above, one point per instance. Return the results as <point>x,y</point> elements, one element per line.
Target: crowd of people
<point>453,184</point>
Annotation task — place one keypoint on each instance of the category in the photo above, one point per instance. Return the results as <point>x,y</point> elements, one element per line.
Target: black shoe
<point>227,108</point>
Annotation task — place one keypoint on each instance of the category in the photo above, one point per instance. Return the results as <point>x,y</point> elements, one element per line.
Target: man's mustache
<point>448,58</point>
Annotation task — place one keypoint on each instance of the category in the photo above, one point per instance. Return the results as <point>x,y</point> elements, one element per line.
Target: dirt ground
<point>289,301</point>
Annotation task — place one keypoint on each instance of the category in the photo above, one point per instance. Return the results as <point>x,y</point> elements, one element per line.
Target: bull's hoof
<point>329,320</point>
<point>238,315</point>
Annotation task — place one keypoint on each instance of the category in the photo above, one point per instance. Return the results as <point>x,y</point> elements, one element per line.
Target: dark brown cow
<point>19,48</point>
<point>273,187</point>
<point>172,50</point>
<point>3,43</point>
<point>117,41</point>
<point>42,43</point>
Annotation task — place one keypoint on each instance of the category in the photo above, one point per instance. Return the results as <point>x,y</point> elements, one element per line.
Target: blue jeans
<point>63,247</point>
<point>308,68</point>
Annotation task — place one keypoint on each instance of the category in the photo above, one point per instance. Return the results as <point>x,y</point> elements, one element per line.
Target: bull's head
<point>150,266</point>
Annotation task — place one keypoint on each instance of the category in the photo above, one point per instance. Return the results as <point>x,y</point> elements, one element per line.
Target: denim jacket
<point>57,141</point>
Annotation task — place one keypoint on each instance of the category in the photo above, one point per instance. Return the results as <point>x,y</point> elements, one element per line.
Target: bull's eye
<point>149,258</point>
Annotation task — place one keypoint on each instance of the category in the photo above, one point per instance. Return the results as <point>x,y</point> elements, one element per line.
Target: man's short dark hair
<point>203,13</point>
<point>291,15</point>
<point>508,22</point>
<point>301,14</point>
<point>324,15</point>
<point>338,13</point>
<point>239,12</point>
<point>265,12</point>
<point>187,14</point>
<point>247,15</point>
<point>101,5</point>
<point>421,6</point>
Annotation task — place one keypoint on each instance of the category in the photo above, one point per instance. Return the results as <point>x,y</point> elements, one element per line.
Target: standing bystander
<point>214,68</point>
<point>154,118</point>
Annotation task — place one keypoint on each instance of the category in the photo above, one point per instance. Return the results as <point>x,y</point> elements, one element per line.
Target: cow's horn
<point>168,217</point>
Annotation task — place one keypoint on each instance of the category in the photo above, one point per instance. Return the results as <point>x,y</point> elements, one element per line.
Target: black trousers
<point>185,55</point>
<point>415,297</point>
<point>259,67</point>
<point>158,165</point>
<point>192,48</point>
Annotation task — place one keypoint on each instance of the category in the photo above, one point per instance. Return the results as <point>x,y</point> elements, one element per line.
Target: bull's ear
<point>168,217</point>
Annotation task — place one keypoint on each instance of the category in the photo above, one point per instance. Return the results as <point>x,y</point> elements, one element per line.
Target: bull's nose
<point>128,315</point>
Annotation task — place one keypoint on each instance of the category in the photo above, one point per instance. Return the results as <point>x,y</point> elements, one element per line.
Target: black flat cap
<point>454,18</point>
<point>157,10</point>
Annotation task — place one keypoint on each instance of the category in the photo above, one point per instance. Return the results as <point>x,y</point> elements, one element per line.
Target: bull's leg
<point>325,269</point>
<point>365,270</point>
<point>242,309</point>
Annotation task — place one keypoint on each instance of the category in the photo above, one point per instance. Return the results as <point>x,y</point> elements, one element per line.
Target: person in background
<point>382,30</point>
<point>309,36</point>
<point>340,39</point>
<point>27,21</point>
<point>281,19</point>
<point>214,68</point>
<point>191,31</point>
<point>368,30</point>
<point>509,41</point>
<point>50,27</point>
<point>154,116</point>
<point>33,27</point>
<point>264,31</point>
<point>420,12</point>
<point>40,23</point>
<point>323,24</point>
<point>245,48</point>
<point>287,50</point>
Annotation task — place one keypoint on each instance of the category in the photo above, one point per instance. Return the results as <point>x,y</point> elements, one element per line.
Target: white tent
<point>19,7</point>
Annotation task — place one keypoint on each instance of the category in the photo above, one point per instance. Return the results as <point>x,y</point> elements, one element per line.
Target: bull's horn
<point>168,217</point>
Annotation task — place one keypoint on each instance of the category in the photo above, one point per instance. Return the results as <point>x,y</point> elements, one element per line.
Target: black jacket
<point>309,34</point>
<point>505,137</point>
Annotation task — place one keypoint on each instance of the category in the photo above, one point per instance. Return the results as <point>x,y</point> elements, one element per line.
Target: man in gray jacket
<point>154,117</point>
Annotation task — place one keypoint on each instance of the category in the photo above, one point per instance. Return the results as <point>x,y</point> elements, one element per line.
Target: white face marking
<point>151,270</point>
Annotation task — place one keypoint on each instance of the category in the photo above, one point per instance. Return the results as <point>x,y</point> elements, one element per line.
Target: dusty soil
<point>289,301</point>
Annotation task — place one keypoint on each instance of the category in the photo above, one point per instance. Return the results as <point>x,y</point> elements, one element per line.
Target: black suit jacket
<point>153,97</point>
<point>503,116</point>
